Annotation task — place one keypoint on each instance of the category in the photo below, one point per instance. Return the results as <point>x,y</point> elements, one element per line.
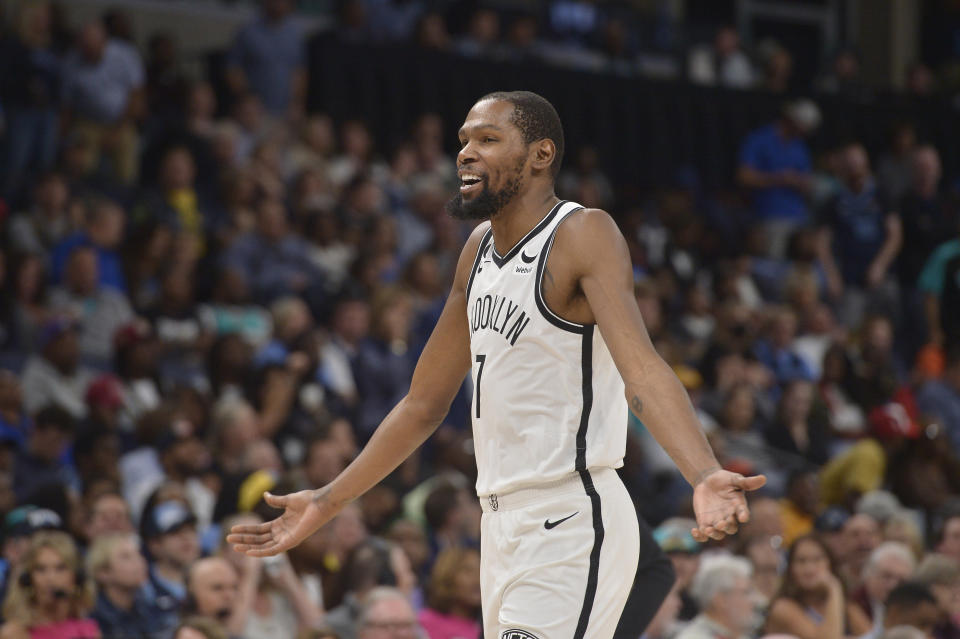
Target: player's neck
<point>519,216</point>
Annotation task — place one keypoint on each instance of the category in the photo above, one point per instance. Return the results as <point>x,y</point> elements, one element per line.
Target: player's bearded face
<point>487,203</point>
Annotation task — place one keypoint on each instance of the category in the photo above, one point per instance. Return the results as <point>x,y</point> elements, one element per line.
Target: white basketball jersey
<point>547,400</point>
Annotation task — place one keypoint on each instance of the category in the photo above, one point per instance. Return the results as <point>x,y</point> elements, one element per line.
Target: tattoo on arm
<point>548,275</point>
<point>636,405</point>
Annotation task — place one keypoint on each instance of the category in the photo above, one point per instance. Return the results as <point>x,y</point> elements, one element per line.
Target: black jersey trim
<point>476,262</point>
<point>542,224</point>
<point>548,314</point>
<point>593,574</point>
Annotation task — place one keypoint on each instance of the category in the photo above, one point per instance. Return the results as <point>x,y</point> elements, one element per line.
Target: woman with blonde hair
<point>50,597</point>
<point>453,596</point>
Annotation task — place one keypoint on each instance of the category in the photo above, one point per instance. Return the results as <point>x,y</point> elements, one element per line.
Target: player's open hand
<point>720,505</point>
<point>304,512</point>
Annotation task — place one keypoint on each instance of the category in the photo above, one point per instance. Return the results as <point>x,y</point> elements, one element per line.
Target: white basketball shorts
<point>558,561</point>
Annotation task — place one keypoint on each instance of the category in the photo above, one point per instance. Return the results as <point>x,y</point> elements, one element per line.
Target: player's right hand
<point>304,512</point>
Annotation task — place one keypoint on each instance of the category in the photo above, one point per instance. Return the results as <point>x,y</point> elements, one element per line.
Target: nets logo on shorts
<point>517,634</point>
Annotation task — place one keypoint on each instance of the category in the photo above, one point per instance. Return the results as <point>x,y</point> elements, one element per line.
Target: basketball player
<point>542,315</point>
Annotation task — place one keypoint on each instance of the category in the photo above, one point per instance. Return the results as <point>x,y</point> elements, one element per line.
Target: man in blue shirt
<point>103,97</point>
<point>775,167</point>
<point>268,58</point>
<point>860,237</point>
<point>169,532</point>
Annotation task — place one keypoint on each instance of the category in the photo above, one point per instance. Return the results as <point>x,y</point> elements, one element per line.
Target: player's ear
<point>544,152</point>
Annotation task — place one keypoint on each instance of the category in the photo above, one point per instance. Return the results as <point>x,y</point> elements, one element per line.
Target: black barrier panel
<point>645,130</point>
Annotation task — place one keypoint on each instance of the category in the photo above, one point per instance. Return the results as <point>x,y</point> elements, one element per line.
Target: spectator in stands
<point>273,258</point>
<point>357,155</point>
<point>801,428</point>
<point>940,398</point>
<point>890,564</point>
<point>278,604</point>
<point>940,285</point>
<point>235,426</point>
<point>213,592</point>
<point>724,593</point>
<point>861,236</point>
<point>927,220</point>
<point>56,377</point>
<point>25,308</point>
<point>383,366</point>
<point>431,32</point>
<point>51,595</point>
<point>19,526</point>
<point>482,36</point>
<point>386,614</point>
<point>674,538</point>
<point>108,514</point>
<point>103,94</point>
<point>723,64</point>
<point>776,349</point>
<point>910,604</point>
<point>42,460</point>
<point>775,166</point>
<point>170,536</point>
<point>847,418</point>
<point>120,571</point>
<point>231,311</point>
<point>448,512</point>
<point>777,67</point>
<point>323,459</point>
<point>812,603</point>
<point>523,42</point>
<point>586,178</point>
<point>947,538</point>
<point>800,504</point>
<point>453,599</point>
<point>103,232</point>
<point>101,311</point>
<point>30,99</point>
<point>178,203</point>
<point>941,574</point>
<point>46,221</point>
<point>843,76</point>
<point>763,553</point>
<point>372,564</point>
<point>14,420</point>
<point>920,81</point>
<point>393,20</point>
<point>268,58</point>
<point>895,168</point>
<point>862,536</point>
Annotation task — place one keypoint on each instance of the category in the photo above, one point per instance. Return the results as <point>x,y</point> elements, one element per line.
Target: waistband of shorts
<point>573,483</point>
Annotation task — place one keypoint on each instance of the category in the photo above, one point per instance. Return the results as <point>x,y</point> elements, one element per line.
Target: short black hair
<point>439,503</point>
<point>909,595</point>
<point>536,118</point>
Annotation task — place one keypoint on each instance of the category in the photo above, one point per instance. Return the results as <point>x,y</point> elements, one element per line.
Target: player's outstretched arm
<point>654,394</point>
<point>440,371</point>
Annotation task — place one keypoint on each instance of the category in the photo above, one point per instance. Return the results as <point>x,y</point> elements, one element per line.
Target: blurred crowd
<point>626,38</point>
<point>204,297</point>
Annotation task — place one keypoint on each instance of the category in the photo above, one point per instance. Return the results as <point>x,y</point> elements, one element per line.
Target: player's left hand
<point>720,505</point>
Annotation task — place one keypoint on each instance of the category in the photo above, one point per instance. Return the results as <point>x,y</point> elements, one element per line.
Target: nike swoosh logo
<point>553,524</point>
<point>523,256</point>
